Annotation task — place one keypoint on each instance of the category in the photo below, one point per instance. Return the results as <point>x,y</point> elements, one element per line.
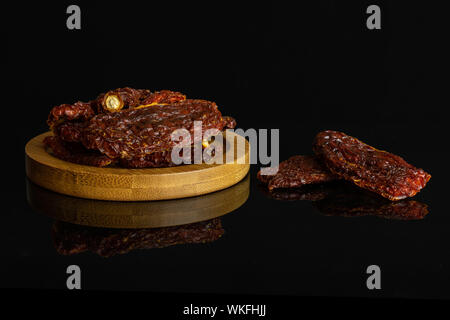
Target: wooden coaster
<point>121,184</point>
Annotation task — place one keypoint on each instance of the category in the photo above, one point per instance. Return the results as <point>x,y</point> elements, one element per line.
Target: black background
<point>301,69</point>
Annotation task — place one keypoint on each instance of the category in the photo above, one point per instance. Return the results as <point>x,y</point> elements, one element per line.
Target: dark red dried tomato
<point>75,153</point>
<point>133,126</point>
<point>378,171</point>
<point>297,171</point>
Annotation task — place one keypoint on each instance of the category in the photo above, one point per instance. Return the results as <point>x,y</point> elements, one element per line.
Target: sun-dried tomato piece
<point>297,171</point>
<point>134,126</point>
<point>75,153</point>
<point>115,100</point>
<point>136,133</point>
<point>155,160</point>
<point>162,97</point>
<point>230,122</point>
<point>80,111</point>
<point>378,171</point>
<point>69,131</point>
<point>159,159</point>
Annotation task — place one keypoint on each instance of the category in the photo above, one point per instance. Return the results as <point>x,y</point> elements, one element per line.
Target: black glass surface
<point>298,71</point>
<point>268,246</point>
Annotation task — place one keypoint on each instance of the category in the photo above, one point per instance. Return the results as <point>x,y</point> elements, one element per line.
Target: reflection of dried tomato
<point>350,201</point>
<point>343,199</point>
<point>378,171</point>
<point>297,171</point>
<point>312,192</point>
<point>72,239</point>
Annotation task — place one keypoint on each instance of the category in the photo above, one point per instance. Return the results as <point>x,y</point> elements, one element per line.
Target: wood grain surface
<point>122,184</point>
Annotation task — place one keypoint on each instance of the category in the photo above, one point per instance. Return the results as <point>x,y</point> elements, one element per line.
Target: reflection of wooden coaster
<point>115,214</point>
<point>134,184</point>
